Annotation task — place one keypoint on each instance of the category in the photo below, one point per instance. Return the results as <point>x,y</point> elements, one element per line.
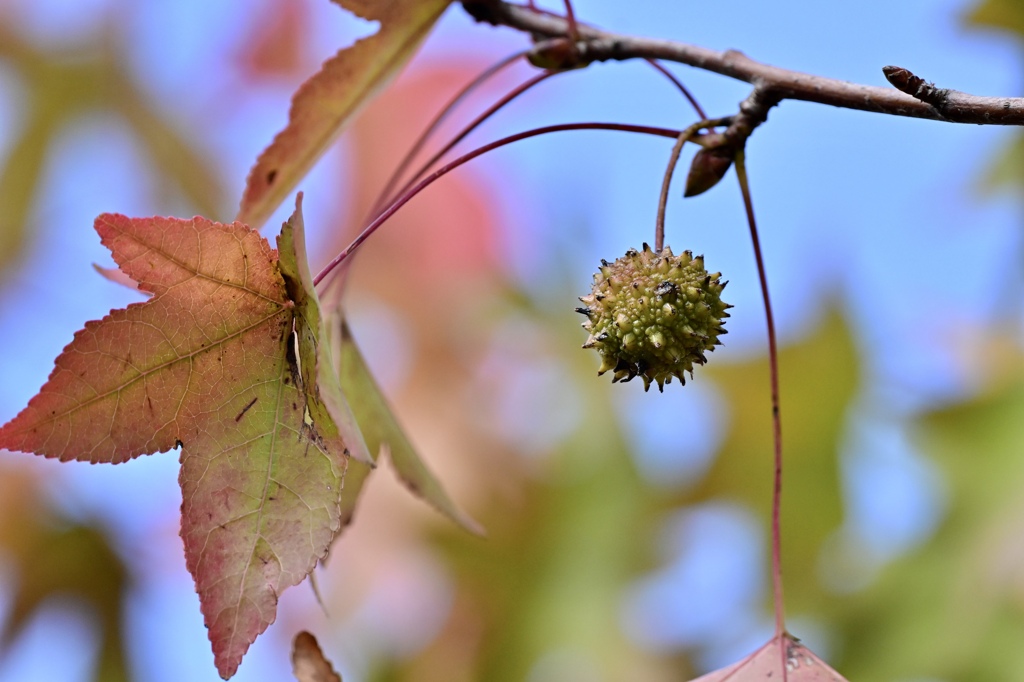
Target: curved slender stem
<point>446,110</point>
<point>493,109</point>
<point>469,156</point>
<point>473,125</point>
<point>679,84</point>
<point>773,363</point>
<point>673,159</point>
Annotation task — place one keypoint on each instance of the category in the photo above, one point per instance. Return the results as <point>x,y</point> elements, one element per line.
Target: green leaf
<point>326,402</point>
<point>207,364</point>
<point>383,432</point>
<point>327,102</point>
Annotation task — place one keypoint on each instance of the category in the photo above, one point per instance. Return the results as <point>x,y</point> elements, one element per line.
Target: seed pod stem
<point>673,159</point>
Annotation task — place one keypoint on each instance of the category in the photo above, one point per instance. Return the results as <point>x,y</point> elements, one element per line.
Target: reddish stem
<point>493,109</point>
<point>403,165</point>
<point>473,125</point>
<point>679,84</point>
<point>773,364</point>
<point>673,159</point>
<point>469,156</point>
<point>570,18</point>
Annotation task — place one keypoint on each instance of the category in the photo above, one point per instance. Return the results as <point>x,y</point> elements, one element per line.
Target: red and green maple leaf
<point>233,361</point>
<point>223,361</point>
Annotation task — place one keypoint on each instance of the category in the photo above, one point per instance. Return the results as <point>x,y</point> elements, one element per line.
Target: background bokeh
<point>626,531</point>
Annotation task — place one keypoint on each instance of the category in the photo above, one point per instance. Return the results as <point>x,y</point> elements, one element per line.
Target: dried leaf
<point>207,364</point>
<point>783,659</point>
<point>308,662</point>
<point>325,103</point>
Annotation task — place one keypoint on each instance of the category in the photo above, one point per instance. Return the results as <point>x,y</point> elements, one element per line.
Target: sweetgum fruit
<point>654,315</point>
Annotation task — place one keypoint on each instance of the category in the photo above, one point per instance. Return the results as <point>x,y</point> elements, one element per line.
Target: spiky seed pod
<point>654,315</point>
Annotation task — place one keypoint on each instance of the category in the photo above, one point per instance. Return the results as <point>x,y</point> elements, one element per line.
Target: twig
<point>775,83</point>
<point>949,102</point>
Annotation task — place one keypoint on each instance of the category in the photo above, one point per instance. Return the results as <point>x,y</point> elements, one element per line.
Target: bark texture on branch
<point>913,97</point>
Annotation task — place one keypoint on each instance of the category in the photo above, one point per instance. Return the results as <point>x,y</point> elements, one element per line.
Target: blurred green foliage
<point>818,379</point>
<point>63,85</point>
<point>553,574</point>
<point>954,608</point>
<point>1004,15</point>
<point>56,560</point>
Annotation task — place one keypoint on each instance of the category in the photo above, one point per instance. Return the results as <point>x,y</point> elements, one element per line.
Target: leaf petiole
<point>469,156</point>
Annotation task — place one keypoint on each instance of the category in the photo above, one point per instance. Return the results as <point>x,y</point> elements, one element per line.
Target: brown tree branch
<point>913,97</point>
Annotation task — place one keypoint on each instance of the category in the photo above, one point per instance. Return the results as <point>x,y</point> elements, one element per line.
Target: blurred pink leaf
<point>276,45</point>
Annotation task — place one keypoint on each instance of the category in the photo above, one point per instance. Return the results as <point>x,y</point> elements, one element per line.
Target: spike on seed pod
<point>607,363</point>
<point>660,325</point>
